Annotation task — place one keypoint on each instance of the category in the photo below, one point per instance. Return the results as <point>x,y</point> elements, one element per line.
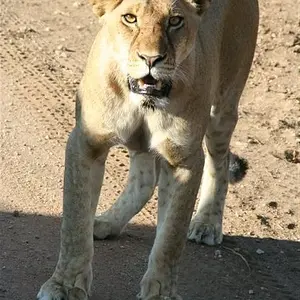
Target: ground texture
<point>43,49</point>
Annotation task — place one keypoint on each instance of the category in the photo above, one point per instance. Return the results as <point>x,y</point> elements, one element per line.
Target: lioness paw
<point>54,291</point>
<point>104,228</point>
<point>152,289</point>
<point>207,233</point>
<point>51,290</point>
<point>160,298</point>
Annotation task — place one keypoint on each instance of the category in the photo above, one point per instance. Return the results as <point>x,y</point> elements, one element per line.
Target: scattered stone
<point>263,220</point>
<point>273,204</point>
<point>292,156</point>
<point>296,49</point>
<point>290,212</point>
<point>251,292</point>
<point>260,251</point>
<point>296,41</point>
<point>16,213</point>
<point>77,4</point>
<point>254,141</point>
<point>291,226</point>
<point>218,254</point>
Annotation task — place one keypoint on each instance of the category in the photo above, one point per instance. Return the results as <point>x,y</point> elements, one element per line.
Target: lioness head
<point>150,40</point>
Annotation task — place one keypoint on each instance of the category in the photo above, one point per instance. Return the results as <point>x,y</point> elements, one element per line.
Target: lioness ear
<point>200,5</point>
<point>100,7</point>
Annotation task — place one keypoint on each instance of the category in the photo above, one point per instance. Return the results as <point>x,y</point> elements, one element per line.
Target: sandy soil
<point>43,51</point>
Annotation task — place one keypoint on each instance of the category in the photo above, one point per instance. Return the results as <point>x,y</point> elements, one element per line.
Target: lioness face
<point>151,41</point>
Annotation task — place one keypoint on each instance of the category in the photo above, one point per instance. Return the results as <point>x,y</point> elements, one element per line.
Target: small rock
<point>260,251</point>
<point>273,204</point>
<point>218,254</point>
<point>77,4</point>
<point>292,156</point>
<point>16,213</point>
<point>291,226</point>
<point>253,141</point>
<point>64,55</point>
<point>263,220</point>
<point>251,292</point>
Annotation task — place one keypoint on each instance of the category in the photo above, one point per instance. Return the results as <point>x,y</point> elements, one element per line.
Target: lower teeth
<point>143,86</point>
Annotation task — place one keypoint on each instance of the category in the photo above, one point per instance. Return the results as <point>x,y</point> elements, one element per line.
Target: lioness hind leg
<point>206,225</point>
<point>143,175</point>
<point>83,176</point>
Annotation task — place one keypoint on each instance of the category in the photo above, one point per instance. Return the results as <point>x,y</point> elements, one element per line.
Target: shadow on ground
<point>29,247</point>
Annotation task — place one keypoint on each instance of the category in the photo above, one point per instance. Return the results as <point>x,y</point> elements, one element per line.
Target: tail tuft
<point>237,168</point>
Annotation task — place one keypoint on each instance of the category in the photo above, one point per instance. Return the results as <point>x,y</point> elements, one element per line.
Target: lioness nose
<point>152,60</point>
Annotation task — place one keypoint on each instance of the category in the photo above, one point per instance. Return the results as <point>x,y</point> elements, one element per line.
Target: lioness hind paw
<point>104,228</point>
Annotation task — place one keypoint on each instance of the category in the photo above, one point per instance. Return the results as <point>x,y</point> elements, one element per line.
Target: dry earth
<point>44,46</point>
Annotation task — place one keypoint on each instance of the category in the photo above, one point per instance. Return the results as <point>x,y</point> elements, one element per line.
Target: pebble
<point>291,226</point>
<point>273,204</point>
<point>16,213</point>
<point>77,4</point>
<point>260,251</point>
<point>218,254</point>
<point>251,292</point>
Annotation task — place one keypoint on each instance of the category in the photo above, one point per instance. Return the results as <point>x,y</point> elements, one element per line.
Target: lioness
<point>161,76</point>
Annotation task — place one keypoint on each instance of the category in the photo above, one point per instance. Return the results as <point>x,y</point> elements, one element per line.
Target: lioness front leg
<point>206,225</point>
<point>83,176</point>
<point>178,188</point>
<point>143,176</point>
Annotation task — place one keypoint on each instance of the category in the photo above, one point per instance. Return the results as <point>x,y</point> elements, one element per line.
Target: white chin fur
<point>138,99</point>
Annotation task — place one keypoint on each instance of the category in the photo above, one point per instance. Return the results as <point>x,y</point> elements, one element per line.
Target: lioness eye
<point>176,21</point>
<point>129,18</point>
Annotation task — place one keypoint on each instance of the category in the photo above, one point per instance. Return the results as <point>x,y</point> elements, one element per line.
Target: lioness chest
<point>152,131</point>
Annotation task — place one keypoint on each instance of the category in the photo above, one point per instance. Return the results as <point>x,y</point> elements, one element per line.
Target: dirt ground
<point>44,46</point>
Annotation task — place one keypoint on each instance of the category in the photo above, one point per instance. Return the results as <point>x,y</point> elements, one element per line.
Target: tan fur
<point>208,61</point>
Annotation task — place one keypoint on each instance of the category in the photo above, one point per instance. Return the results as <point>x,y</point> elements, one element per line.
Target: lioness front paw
<point>55,290</point>
<point>52,290</point>
<point>207,233</point>
<point>105,227</point>
<point>152,289</point>
<point>160,298</point>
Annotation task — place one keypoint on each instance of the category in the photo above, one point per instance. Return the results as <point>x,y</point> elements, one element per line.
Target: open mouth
<point>149,86</point>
